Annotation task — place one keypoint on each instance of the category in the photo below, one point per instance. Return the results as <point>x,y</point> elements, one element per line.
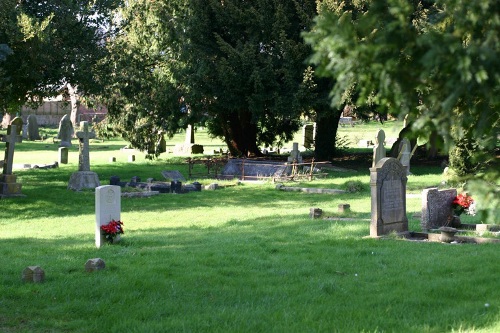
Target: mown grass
<point>244,258</point>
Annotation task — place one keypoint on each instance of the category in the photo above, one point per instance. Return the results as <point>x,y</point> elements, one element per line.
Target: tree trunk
<point>73,96</point>
<point>240,135</point>
<point>327,122</point>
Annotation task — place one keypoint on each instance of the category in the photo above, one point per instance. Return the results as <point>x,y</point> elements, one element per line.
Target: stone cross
<point>10,139</point>
<point>83,138</point>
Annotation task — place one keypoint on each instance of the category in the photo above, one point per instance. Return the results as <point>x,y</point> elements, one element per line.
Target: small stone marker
<point>112,159</point>
<point>344,208</point>
<point>65,131</point>
<point>315,213</point>
<point>379,149</point>
<point>84,178</point>
<point>33,274</point>
<point>131,158</point>
<point>388,197</point>
<point>107,208</point>
<point>63,155</point>
<point>94,264</point>
<point>437,210</point>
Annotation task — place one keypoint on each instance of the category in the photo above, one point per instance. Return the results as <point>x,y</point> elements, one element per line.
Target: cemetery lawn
<point>244,258</point>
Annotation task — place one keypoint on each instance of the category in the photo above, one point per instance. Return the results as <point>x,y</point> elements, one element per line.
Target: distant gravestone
<point>388,197</point>
<point>379,149</point>
<point>173,175</point>
<point>65,131</point>
<point>107,208</point>
<point>84,178</point>
<point>63,155</point>
<point>308,135</point>
<point>33,130</point>
<point>189,135</point>
<point>437,210</point>
<point>405,154</point>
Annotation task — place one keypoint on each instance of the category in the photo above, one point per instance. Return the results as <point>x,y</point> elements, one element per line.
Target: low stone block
<point>33,274</point>
<point>131,158</point>
<point>344,208</point>
<point>315,213</point>
<point>94,264</point>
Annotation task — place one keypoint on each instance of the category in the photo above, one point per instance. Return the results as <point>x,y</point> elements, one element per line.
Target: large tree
<point>434,60</point>
<point>238,64</point>
<point>51,43</point>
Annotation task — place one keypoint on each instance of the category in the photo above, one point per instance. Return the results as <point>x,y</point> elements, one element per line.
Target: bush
<point>461,158</point>
<point>354,186</point>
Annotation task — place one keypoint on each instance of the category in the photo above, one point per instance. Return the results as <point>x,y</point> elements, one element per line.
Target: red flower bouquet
<point>461,203</point>
<point>112,229</point>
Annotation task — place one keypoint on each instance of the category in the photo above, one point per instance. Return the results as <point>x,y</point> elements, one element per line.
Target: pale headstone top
<point>65,131</point>
<point>33,131</point>
<point>388,197</point>
<point>295,154</point>
<point>107,208</point>
<point>437,209</point>
<point>379,149</point>
<point>83,137</point>
<point>405,154</point>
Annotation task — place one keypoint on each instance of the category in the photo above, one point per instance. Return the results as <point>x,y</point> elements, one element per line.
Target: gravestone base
<point>83,180</point>
<point>9,187</point>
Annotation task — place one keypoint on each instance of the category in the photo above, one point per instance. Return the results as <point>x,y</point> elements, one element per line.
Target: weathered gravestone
<point>388,197</point>
<point>8,185</point>
<point>84,178</point>
<point>33,274</point>
<point>33,130</point>
<point>379,149</point>
<point>94,264</point>
<point>65,131</point>
<point>308,133</point>
<point>405,154</point>
<point>107,208</point>
<point>437,210</point>
<point>173,175</point>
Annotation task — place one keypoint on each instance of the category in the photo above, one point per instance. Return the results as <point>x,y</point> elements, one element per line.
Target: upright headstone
<point>189,135</point>
<point>388,197</point>
<point>379,149</point>
<point>437,210</point>
<point>63,155</point>
<point>107,208</point>
<point>84,178</point>
<point>294,157</point>
<point>18,121</point>
<point>65,131</point>
<point>308,132</point>
<point>405,154</point>
<point>8,185</point>
<point>33,130</point>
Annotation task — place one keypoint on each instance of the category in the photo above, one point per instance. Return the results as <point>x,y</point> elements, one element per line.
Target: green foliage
<point>52,44</point>
<point>436,61</point>
<point>462,158</point>
<point>354,186</point>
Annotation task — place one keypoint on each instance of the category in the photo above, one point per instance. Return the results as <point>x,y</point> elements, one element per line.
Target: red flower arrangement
<point>461,203</point>
<point>112,229</point>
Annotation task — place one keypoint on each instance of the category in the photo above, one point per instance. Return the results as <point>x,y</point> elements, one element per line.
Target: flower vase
<point>447,234</point>
<point>455,221</point>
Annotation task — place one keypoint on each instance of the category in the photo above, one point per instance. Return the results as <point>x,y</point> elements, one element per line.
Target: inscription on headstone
<point>388,197</point>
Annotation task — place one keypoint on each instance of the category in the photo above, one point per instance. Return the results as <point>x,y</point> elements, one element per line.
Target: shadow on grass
<point>292,274</point>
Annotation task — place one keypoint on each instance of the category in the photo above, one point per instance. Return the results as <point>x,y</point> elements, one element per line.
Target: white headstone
<point>405,154</point>
<point>107,208</point>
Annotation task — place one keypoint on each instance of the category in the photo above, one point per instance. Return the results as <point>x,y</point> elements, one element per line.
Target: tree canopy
<point>436,61</point>
<point>238,65</point>
<point>46,44</point>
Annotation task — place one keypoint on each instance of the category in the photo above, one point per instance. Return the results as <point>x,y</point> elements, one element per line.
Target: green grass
<point>244,258</point>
